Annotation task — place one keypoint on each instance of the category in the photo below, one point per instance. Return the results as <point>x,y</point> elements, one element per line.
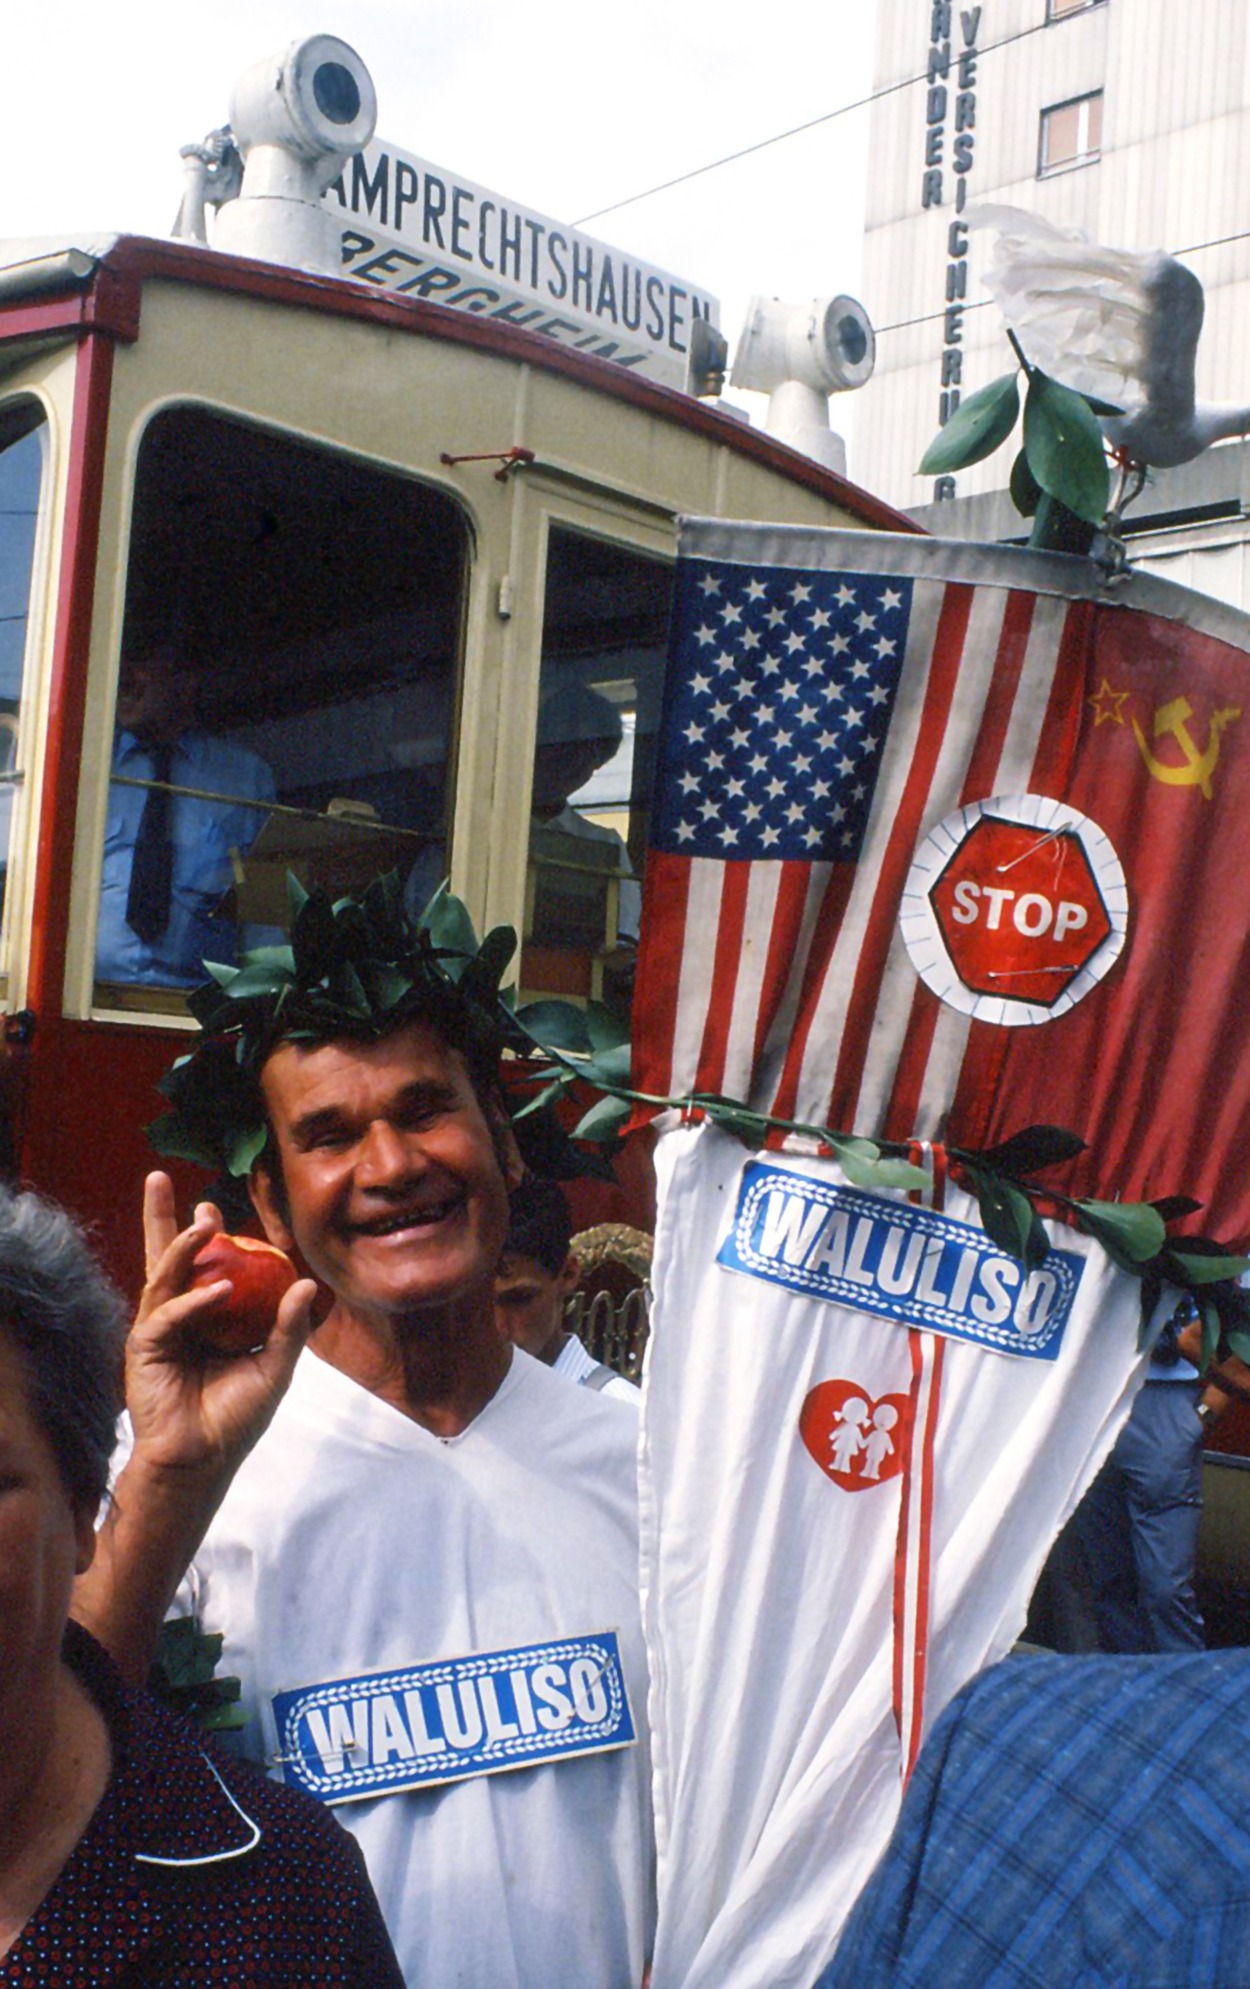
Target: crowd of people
<point>411,1513</point>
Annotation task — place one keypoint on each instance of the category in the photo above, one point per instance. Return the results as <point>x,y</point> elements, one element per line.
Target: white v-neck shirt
<point>352,1540</point>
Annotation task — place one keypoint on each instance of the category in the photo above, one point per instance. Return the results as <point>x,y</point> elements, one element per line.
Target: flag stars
<point>709,584</point>
<point>756,590</point>
<point>826,740</point>
<point>891,599</point>
<point>769,665</point>
<point>861,669</point>
<point>704,635</point>
<point>800,593</point>
<point>878,694</point>
<point>802,763</point>
<point>728,834</point>
<point>863,621</point>
<point>845,596</point>
<point>750,638</point>
<point>776,787</point>
<point>814,665</point>
<point>694,733</point>
<point>807,714</point>
<point>725,661</point>
<point>787,691</point>
<point>744,688</point>
<point>885,647</point>
<point>752,811</point>
<point>783,740</point>
<point>731,612</point>
<point>795,813</point>
<point>770,834</point>
<point>710,810</point>
<point>715,761</point>
<point>757,764</point>
<point>699,684</point>
<point>821,618</point>
<point>685,832</point>
<point>689,783</point>
<point>840,644</point>
<point>739,738</point>
<point>811,836</point>
<point>794,641</point>
<point>721,710</point>
<point>776,618</point>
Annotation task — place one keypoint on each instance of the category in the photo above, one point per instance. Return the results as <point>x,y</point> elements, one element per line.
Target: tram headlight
<point>315,102</point>
<point>799,354</point>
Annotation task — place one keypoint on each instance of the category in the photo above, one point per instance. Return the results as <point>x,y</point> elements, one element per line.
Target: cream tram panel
<point>397,402</point>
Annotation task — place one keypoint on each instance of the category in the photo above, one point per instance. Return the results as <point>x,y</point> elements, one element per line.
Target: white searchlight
<point>799,354</point>
<point>296,118</point>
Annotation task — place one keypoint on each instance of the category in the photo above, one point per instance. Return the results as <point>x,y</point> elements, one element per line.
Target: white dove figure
<point>1117,324</point>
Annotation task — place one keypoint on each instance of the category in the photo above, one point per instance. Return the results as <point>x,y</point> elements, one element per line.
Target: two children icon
<point>860,1441</point>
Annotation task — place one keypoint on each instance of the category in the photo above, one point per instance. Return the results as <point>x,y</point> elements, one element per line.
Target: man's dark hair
<point>68,1324</point>
<point>538,1224</point>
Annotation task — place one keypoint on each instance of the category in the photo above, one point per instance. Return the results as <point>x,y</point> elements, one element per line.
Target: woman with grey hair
<point>129,1851</point>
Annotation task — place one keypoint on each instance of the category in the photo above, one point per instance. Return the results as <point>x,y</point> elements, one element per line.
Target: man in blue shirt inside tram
<point>168,846</point>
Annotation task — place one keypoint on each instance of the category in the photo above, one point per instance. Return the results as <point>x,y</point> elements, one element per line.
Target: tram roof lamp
<point>799,354</point>
<point>296,119</point>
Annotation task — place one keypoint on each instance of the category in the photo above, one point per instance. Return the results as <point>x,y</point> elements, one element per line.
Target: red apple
<point>244,1318</point>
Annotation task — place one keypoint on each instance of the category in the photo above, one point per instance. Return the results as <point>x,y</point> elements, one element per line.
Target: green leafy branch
<point>1060,478</point>
<point>183,1677</point>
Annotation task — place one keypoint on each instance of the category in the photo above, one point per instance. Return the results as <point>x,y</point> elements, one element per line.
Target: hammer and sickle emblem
<point>1198,767</point>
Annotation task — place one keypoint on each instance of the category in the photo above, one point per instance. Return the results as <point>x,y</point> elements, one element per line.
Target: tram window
<point>22,437</point>
<point>605,624</point>
<point>286,695</point>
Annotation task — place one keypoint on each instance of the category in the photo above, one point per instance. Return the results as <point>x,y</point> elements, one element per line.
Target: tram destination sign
<point>421,231</point>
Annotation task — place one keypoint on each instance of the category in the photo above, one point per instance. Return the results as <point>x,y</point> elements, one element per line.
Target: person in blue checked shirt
<point>1070,1820</point>
<point>168,853</point>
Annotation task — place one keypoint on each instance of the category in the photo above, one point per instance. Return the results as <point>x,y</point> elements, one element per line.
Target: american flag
<point>831,698</point>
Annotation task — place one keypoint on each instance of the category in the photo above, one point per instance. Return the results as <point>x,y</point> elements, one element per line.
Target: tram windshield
<point>605,623</point>
<point>286,695</point>
<point>23,434</point>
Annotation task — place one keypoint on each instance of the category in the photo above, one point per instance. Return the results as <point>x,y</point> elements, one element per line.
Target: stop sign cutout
<point>1015,908</point>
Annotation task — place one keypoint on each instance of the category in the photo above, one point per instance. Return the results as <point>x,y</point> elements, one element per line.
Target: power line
<point>826,117</point>
<point>980,303</point>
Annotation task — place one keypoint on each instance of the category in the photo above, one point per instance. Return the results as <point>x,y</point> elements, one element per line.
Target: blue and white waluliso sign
<point>908,1264</point>
<point>390,1730</point>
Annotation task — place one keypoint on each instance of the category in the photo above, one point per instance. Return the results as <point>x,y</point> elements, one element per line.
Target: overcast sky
<point>565,106</point>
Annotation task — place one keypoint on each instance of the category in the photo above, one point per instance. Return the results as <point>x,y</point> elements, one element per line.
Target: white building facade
<point>1127,118</point>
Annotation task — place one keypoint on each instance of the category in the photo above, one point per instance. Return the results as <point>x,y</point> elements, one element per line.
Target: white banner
<point>422,231</point>
<point>843,1519</point>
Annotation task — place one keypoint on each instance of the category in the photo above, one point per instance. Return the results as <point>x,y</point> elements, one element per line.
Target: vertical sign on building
<point>951,114</point>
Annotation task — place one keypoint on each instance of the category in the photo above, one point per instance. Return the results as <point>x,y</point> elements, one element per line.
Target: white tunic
<point>575,1364</point>
<point>352,1540</point>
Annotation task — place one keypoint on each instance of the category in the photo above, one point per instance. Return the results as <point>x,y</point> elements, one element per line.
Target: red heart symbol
<point>857,1442</point>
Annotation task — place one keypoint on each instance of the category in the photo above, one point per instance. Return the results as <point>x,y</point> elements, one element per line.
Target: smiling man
<point>425,1570</point>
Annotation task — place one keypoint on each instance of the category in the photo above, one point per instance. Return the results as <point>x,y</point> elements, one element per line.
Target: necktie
<point>152,866</point>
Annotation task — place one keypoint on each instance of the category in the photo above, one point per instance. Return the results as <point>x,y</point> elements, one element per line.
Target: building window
<point>1057,10</point>
<point>1071,134</point>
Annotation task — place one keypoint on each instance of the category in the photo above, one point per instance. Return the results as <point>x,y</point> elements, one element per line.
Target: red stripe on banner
<point>948,645</point>
<point>979,783</point>
<point>916,1354</point>
<point>710,1075</point>
<point>783,940</point>
<point>658,973</point>
<point>824,939</point>
<point>920,1655</point>
<point>914,1545</point>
